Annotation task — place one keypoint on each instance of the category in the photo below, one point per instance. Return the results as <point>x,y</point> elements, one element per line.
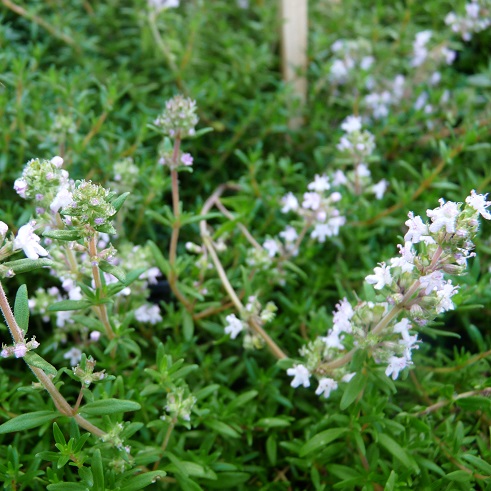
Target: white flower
<point>380,188</point>
<point>311,201</point>
<point>417,229</point>
<point>406,261</point>
<point>342,316</point>
<point>63,199</point>
<point>272,247</point>
<point>366,62</point>
<point>321,231</point>
<point>57,161</point>
<point>289,234</point>
<point>339,178</point>
<point>402,326</point>
<point>332,340</point>
<point>74,355</point>
<point>148,313</point>
<point>20,350</point>
<point>395,366</point>
<point>28,241</point>
<point>4,228</point>
<point>326,385</point>
<point>163,4</point>
<point>479,203</point>
<point>432,281</point>
<point>234,326</point>
<point>381,277</point>
<point>300,376</point>
<point>95,336</point>
<point>289,202</point>
<point>445,294</point>
<point>351,124</point>
<point>443,216</point>
<point>320,184</point>
<point>20,186</point>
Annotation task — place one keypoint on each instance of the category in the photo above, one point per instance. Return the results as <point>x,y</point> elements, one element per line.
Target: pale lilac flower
<point>152,274</point>
<point>381,277</point>
<point>234,326</point>
<point>300,376</point>
<point>380,188</point>
<point>421,101</point>
<point>187,159</point>
<point>20,350</point>
<point>449,55</point>
<point>5,353</point>
<point>346,378</point>
<point>479,203</point>
<point>339,178</point>
<point>402,326</point>
<point>289,202</point>
<point>95,336</point>
<point>272,247</point>
<point>406,260</point>
<point>362,170</point>
<point>148,313</point>
<point>351,124</point>
<point>432,281</point>
<point>63,199</point>
<point>395,366</point>
<point>417,229</point>
<point>289,234</point>
<point>20,186</point>
<point>435,78</point>
<point>28,241</point>
<point>320,184</point>
<point>311,201</point>
<point>321,231</point>
<point>332,340</point>
<point>4,228</point>
<point>444,216</point>
<point>57,161</point>
<point>445,294</point>
<point>342,316</point>
<point>74,355</point>
<point>163,4</point>
<point>326,386</point>
<point>366,62</point>
<point>63,317</point>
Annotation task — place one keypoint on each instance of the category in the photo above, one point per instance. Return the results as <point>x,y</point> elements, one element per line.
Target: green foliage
<point>180,404</point>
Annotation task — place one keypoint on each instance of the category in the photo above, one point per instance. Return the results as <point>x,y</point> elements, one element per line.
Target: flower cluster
<point>178,405</point>
<point>179,117</point>
<point>90,208</point>
<point>350,56</point>
<point>19,349</point>
<point>85,371</point>
<point>414,288</point>
<point>477,18</point>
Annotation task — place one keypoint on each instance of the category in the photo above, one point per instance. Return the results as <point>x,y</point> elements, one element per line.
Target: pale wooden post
<point>294,29</point>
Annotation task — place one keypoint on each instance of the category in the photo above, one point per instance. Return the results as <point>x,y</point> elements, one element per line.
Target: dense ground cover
<point>257,335</point>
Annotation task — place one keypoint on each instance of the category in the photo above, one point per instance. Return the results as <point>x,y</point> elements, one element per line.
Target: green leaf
<point>21,308</point>
<point>63,234</point>
<point>478,463</point>
<point>109,406</point>
<point>119,201</point>
<point>272,449</point>
<point>159,258</point>
<point>97,471</point>
<point>355,386</point>
<point>69,305</point>
<point>27,421</point>
<point>67,486</point>
<point>459,476</point>
<point>142,481</point>
<point>222,428</point>
<point>26,265</point>
<point>116,271</point>
<point>273,422</point>
<point>242,399</point>
<point>320,440</point>
<point>397,452</point>
<point>197,218</point>
<point>187,325</point>
<point>34,360</point>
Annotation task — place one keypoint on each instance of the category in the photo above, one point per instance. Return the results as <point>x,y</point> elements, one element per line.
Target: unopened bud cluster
<point>20,349</point>
<point>179,117</point>
<point>85,372</point>
<point>178,405</point>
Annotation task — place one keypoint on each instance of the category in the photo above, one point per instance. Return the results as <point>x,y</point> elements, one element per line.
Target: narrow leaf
<point>27,421</point>
<point>116,271</point>
<point>63,234</point>
<point>159,258</point>
<point>142,481</point>
<point>355,386</point>
<point>26,265</point>
<point>187,325</point>
<point>397,451</point>
<point>109,406</point>
<point>97,471</point>
<point>21,308</point>
<point>68,305</point>
<point>320,440</point>
<point>34,360</point>
<point>119,201</point>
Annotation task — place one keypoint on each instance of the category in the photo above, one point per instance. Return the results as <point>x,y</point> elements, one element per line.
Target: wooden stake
<point>294,50</point>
